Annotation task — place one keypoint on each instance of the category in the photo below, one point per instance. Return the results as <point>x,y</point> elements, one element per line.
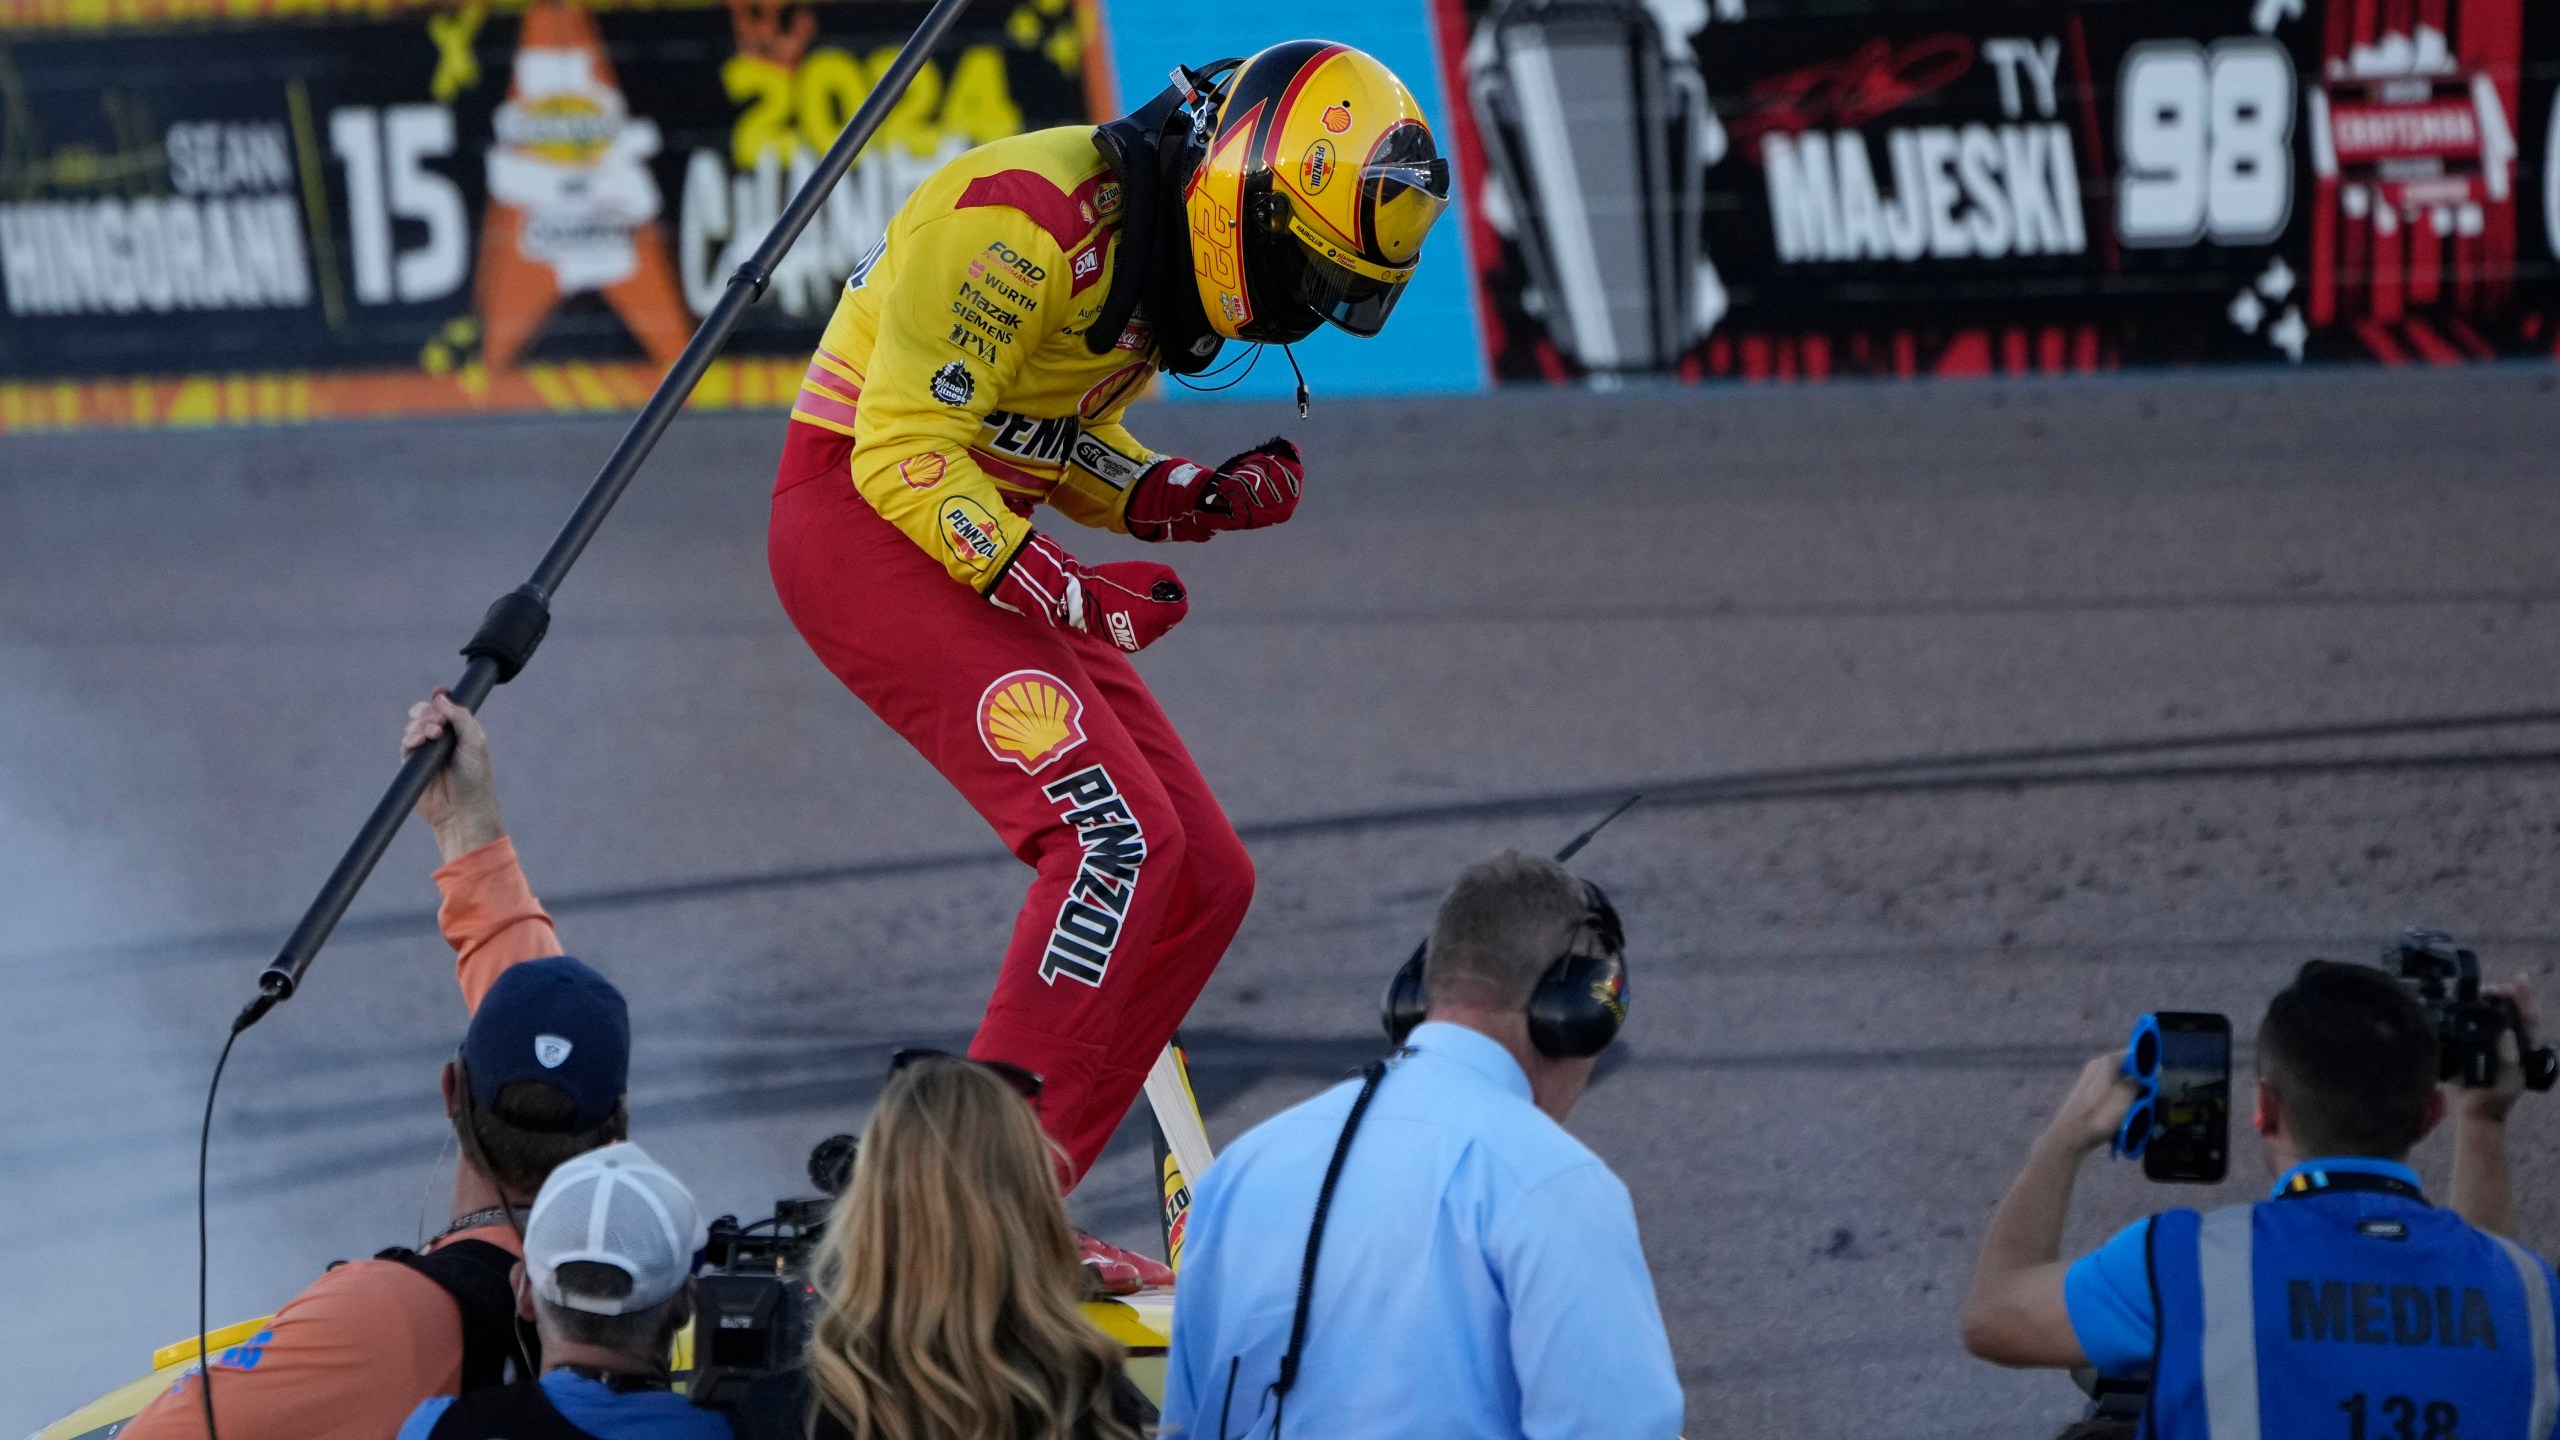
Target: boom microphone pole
<point>515,624</point>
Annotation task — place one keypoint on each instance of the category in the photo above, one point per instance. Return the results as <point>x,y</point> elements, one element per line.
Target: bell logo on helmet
<point>1317,168</point>
<point>1030,718</point>
<point>1337,117</point>
<point>551,1051</point>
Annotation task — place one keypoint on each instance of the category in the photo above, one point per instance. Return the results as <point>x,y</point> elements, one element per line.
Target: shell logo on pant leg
<point>1031,718</point>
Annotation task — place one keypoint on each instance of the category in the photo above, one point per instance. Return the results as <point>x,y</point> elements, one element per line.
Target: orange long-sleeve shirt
<point>352,1355</point>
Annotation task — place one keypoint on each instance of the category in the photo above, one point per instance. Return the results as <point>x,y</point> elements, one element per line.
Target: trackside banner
<point>1777,189</point>
<point>253,210</point>
<point>219,210</point>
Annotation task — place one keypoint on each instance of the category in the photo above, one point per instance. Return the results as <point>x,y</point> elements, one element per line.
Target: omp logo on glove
<point>1031,718</point>
<point>971,531</point>
<point>1115,846</point>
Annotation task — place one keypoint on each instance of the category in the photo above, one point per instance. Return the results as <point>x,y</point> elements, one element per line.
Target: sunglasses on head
<point>1024,1082</point>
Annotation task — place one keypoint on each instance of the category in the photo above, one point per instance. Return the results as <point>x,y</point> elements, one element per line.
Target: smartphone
<point>2191,1124</point>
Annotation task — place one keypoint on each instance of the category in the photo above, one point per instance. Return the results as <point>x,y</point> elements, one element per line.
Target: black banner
<point>443,200</point>
<point>1801,188</point>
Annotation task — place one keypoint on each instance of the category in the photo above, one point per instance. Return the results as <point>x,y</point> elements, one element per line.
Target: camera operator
<point>1480,1273</point>
<point>607,1282</point>
<point>540,1078</point>
<point>2343,1304</point>
<point>949,1281</point>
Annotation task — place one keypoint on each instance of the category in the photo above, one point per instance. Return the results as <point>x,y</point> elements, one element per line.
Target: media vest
<point>2350,1308</point>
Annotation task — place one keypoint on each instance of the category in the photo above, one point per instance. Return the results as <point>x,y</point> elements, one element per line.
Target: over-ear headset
<point>1578,1005</point>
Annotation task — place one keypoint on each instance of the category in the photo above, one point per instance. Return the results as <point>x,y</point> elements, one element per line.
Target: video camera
<point>2446,979</point>
<point>755,1299</point>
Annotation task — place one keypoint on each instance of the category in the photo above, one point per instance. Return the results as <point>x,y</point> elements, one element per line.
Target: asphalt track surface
<point>1977,720</point>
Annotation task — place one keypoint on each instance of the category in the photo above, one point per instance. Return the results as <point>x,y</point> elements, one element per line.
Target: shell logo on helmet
<point>1315,193</point>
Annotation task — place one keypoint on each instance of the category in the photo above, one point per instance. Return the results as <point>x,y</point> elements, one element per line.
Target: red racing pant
<point>1053,737</point>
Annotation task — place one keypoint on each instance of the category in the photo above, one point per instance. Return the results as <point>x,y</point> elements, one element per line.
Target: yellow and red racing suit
<point>956,389</point>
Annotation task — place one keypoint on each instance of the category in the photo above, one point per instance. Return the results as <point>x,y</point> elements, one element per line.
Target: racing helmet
<point>1316,180</point>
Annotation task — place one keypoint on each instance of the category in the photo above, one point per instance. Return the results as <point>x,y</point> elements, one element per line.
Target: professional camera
<point>2446,979</point>
<point>754,1296</point>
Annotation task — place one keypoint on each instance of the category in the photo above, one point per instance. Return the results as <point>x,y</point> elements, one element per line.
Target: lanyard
<point>1372,1074</point>
<point>2329,1182</point>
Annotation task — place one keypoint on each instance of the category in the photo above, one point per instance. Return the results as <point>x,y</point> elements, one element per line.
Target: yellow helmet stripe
<point>1351,260</point>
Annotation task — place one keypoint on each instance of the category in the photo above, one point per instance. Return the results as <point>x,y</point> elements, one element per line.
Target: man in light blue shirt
<point>1479,1272</point>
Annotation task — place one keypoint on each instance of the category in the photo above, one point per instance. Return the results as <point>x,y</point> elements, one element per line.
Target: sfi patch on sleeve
<point>1106,464</point>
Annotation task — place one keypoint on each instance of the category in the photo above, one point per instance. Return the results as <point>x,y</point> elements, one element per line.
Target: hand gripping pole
<point>514,625</point>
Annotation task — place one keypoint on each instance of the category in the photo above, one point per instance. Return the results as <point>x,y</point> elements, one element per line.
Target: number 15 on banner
<point>2207,142</point>
<point>385,152</point>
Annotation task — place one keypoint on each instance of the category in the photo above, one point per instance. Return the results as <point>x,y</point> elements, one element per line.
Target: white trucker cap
<point>616,1207</point>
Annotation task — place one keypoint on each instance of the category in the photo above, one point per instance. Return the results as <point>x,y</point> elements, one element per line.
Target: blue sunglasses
<point>2142,1066</point>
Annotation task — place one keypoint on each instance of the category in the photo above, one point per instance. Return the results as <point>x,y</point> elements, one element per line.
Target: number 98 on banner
<point>2207,143</point>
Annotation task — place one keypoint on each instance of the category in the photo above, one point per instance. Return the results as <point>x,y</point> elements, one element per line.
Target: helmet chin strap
<point>1291,355</point>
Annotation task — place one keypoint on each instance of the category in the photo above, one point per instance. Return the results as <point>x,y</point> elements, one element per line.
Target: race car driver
<point>978,365</point>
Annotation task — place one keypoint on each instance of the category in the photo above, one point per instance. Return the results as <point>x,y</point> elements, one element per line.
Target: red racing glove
<point>1178,500</point>
<point>1130,603</point>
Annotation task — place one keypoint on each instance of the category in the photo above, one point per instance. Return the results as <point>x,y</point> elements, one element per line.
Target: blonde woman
<point>948,1281</point>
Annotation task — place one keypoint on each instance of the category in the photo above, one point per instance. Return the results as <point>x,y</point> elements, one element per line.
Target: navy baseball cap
<point>556,1021</point>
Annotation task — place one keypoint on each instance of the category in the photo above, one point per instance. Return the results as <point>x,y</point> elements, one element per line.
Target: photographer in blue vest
<point>2345,1304</point>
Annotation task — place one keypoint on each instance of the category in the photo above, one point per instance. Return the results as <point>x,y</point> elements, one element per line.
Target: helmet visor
<point>1401,197</point>
<point>1356,302</point>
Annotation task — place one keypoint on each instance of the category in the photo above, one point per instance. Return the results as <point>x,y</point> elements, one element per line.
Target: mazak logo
<point>1115,846</point>
<point>1029,718</point>
<point>971,533</point>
